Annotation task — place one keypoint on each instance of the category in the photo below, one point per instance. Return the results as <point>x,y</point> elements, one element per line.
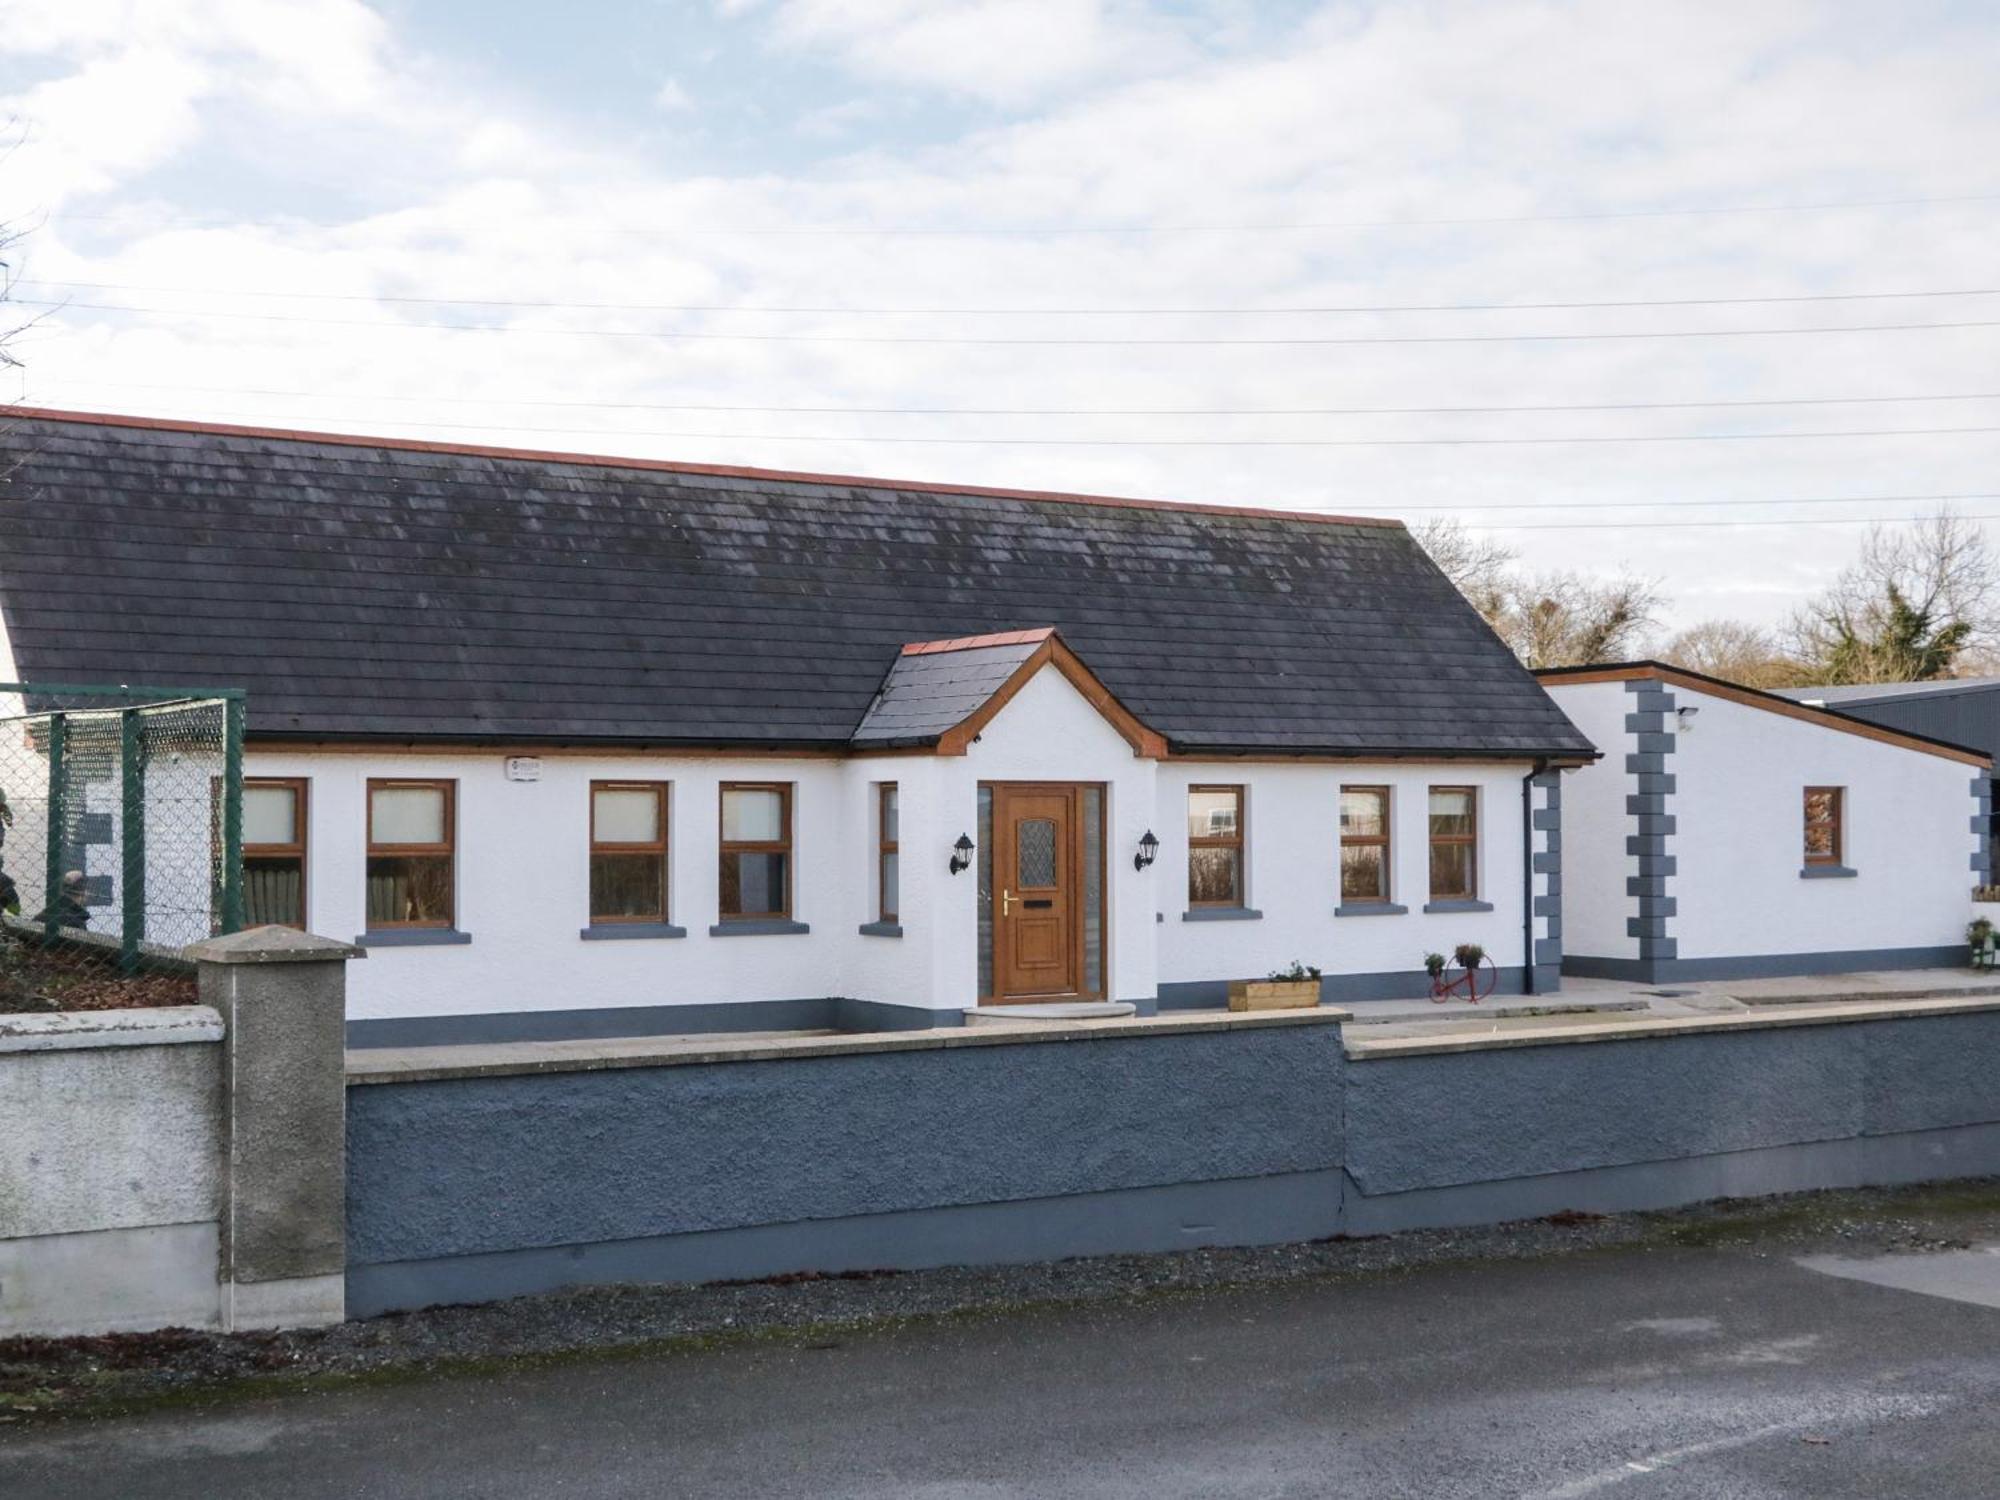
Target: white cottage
<point>1730,833</point>
<point>579,746</point>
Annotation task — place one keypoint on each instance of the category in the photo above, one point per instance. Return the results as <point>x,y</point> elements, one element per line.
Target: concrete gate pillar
<point>283,999</point>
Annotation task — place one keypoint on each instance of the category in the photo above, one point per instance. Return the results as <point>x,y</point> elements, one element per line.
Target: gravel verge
<point>45,1378</point>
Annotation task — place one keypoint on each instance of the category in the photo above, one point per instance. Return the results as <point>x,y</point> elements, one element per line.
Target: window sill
<point>1370,909</point>
<point>1221,914</point>
<point>881,929</point>
<point>1458,905</point>
<point>758,927</point>
<point>1827,872</point>
<point>610,932</point>
<point>413,937</point>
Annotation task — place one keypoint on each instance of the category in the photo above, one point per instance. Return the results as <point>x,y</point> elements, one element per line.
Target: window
<point>274,852</point>
<point>756,851</point>
<point>1215,846</point>
<point>628,851</point>
<point>1454,843</point>
<point>1824,816</point>
<point>888,881</point>
<point>1364,844</point>
<point>412,838</point>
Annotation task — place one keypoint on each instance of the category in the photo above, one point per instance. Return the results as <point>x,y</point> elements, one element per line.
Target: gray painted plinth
<point>1761,965</point>
<point>283,998</point>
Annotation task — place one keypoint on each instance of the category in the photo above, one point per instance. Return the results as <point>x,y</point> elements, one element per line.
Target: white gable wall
<point>1741,775</point>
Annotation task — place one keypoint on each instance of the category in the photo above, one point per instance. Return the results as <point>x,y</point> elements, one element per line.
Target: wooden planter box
<point>1273,994</point>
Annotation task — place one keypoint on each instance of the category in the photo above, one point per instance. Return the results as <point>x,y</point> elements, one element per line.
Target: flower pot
<point>1273,994</point>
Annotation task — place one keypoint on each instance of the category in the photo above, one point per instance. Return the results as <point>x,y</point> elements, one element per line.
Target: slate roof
<point>386,589</point>
<point>937,685</point>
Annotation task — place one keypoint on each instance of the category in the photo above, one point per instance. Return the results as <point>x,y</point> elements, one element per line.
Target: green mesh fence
<point>121,810</point>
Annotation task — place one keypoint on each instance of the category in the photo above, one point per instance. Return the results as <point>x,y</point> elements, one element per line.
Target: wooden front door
<point>1037,901</point>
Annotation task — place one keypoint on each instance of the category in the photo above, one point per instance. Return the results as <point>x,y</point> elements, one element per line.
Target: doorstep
<point>1055,1010</point>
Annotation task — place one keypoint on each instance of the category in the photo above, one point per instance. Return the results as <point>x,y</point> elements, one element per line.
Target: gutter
<point>1528,876</point>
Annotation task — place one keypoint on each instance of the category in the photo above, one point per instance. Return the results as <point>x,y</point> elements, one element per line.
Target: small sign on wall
<point>523,768</point>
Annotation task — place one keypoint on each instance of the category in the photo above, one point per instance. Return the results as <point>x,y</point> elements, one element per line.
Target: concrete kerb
<point>283,1232</point>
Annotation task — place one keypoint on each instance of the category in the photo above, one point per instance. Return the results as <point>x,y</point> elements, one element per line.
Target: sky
<point>1694,290</point>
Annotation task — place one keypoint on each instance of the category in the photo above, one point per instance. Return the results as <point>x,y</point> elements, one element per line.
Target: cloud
<point>673,98</point>
<point>329,155</point>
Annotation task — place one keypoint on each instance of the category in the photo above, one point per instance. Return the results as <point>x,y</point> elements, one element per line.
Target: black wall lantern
<point>1149,848</point>
<point>961,854</point>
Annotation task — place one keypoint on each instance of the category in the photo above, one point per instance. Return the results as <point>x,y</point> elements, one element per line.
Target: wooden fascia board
<point>1783,707</point>
<point>1146,743</point>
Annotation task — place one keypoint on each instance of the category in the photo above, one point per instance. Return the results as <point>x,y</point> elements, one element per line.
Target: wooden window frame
<point>1838,822</point>
<point>1383,841</point>
<point>884,847</point>
<point>726,847</point>
<point>657,847</point>
<point>449,848</point>
<point>1239,841</point>
<point>1469,840</point>
<point>300,789</point>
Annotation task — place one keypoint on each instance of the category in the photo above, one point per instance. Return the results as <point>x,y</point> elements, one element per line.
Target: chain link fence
<point>120,828</point>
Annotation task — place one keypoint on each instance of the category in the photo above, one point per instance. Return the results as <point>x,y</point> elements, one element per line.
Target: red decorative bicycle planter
<point>1469,976</point>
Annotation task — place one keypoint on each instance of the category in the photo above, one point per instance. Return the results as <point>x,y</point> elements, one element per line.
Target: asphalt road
<point>1712,1373</point>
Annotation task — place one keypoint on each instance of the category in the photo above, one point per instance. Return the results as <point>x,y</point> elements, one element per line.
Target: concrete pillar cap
<point>271,945</point>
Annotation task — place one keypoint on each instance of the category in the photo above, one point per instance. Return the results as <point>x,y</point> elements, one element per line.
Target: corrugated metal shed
<point>364,588</point>
<point>1965,711</point>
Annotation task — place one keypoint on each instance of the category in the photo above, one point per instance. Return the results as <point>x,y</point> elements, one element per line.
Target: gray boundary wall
<point>180,1166</point>
<point>970,1149</point>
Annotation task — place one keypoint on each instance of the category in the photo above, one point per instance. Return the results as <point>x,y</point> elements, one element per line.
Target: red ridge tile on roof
<point>973,642</point>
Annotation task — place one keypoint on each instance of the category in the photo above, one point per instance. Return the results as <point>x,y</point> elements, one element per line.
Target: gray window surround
<point>1371,909</point>
<point>604,932</point>
<point>413,937</point>
<point>1458,904</point>
<point>758,927</point>
<point>881,929</point>
<point>1222,914</point>
<point>1827,872</point>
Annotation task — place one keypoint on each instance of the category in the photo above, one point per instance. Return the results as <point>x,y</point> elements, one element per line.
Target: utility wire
<point>1030,231</point>
<point>1039,442</point>
<point>678,336</point>
<point>1039,312</point>
<point>1037,411</point>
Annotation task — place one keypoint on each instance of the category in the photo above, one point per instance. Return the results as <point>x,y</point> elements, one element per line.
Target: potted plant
<point>1434,965</point>
<point>1294,988</point>
<point>1469,956</point>
<point>1979,933</point>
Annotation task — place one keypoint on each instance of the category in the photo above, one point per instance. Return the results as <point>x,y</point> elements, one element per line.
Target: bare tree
<point>1915,599</point>
<point>1735,651</point>
<point>1559,619</point>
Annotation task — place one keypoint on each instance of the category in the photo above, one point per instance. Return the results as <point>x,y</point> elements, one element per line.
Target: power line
<point>1177,442</point>
<point>679,336</point>
<point>1039,411</point>
<point>1711,525</point>
<point>1030,231</point>
<point>1105,312</point>
<point>1729,503</point>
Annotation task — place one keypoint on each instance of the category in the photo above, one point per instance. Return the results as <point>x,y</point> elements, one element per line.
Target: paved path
<point>1631,1373</point>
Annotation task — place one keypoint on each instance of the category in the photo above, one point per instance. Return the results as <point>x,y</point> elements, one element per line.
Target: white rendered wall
<point>523,873</point>
<point>1595,824</point>
<point>1292,813</point>
<point>1741,776</point>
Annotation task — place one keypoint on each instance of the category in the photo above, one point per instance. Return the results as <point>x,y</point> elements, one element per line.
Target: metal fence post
<point>232,814</point>
<point>132,837</point>
<point>57,839</point>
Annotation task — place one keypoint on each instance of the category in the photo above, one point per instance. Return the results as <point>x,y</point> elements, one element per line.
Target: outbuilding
<point>1731,833</point>
<point>576,745</point>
